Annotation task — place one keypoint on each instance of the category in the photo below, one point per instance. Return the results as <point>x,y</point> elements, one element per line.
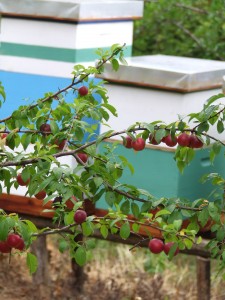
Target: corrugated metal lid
<point>182,74</point>
<point>73,9</point>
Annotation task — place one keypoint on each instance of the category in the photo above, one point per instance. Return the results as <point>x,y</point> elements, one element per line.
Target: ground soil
<point>115,276</point>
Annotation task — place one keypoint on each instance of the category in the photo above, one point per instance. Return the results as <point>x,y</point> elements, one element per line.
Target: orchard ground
<point>113,272</point>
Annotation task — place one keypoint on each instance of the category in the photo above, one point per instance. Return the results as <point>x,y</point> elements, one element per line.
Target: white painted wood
<point>137,104</point>
<point>62,35</point>
<point>104,34</point>
<point>74,9</point>
<point>40,33</point>
<point>37,66</point>
<point>141,102</point>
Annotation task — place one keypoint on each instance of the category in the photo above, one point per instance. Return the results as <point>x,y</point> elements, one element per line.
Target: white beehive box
<point>159,87</point>
<point>48,37</point>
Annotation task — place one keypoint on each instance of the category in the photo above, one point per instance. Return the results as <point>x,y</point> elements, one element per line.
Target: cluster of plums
<point>13,240</point>
<point>157,246</point>
<point>184,140</point>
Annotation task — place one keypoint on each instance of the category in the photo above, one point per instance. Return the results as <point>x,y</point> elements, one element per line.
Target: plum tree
<point>52,118</point>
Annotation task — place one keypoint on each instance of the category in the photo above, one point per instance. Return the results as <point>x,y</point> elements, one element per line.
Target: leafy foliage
<point>183,28</point>
<point>35,137</point>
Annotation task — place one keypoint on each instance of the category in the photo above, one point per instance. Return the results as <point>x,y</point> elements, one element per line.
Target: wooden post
<point>78,271</point>
<point>203,278</point>
<point>41,276</point>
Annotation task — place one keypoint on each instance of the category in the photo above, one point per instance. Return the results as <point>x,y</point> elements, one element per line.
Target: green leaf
<point>213,210</point>
<point>90,244</point>
<point>122,59</point>
<point>80,256</point>
<point>104,136</point>
<point>177,224</point>
<point>104,231</point>
<point>98,181</point>
<point>188,243</point>
<point>125,231</point>
<point>44,183</point>
<point>159,134</point>
<point>207,113</point>
<point>150,127</point>
<point>79,133</point>
<point>126,163</point>
<point>135,209</point>
<point>115,47</point>
<point>199,240</point>
<point>57,172</point>
<point>186,213</point>
<point>115,64</point>
<point>110,198</point>
<point>172,251</point>
<point>32,262</point>
<point>23,228</point>
<point>2,91</point>
<point>181,165</point>
<point>32,227</point>
<point>212,155</point>
<point>135,227</point>
<point>111,108</point>
<point>146,206</point>
<point>181,126</point>
<point>220,235</point>
<point>125,207</point>
<point>25,174</point>
<point>220,126</point>
<point>26,140</point>
<point>216,147</point>
<point>203,217</point>
<point>69,218</point>
<point>4,229</point>
<point>87,228</point>
<point>162,212</point>
<point>54,127</point>
<point>213,99</point>
<point>204,126</point>
<point>63,245</point>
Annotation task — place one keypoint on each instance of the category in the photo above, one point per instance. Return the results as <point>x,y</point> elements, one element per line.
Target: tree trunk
<point>78,271</point>
<point>203,278</point>
<point>41,276</point>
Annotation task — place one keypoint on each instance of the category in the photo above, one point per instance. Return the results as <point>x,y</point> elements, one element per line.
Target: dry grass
<point>114,273</point>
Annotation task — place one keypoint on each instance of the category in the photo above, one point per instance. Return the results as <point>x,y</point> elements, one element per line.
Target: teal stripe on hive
<point>53,53</point>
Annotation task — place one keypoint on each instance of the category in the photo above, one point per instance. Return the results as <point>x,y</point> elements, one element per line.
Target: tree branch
<point>195,9</point>
<point>101,63</point>
<point>188,32</point>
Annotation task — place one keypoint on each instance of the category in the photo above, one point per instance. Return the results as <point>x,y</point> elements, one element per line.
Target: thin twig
<point>188,32</point>
<point>192,8</point>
